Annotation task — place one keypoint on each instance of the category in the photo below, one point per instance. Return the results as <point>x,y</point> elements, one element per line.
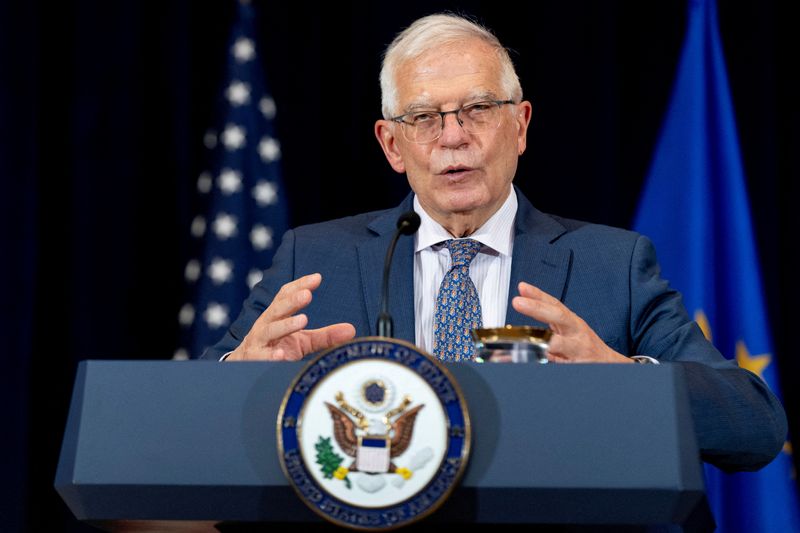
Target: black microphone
<point>407,224</point>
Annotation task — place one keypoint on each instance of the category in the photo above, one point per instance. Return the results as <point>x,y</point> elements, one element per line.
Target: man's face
<point>459,174</point>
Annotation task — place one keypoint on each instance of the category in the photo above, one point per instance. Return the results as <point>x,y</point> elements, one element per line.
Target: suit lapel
<point>372,256</point>
<point>401,290</point>
<point>536,259</point>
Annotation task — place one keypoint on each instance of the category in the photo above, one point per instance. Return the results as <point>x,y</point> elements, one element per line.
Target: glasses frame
<point>457,112</point>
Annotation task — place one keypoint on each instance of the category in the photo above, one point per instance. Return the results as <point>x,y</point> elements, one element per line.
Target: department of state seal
<point>373,434</point>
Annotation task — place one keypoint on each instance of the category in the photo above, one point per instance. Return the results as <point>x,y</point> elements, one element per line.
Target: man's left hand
<point>573,341</point>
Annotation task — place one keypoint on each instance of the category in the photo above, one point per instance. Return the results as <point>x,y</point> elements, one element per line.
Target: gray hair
<point>431,32</point>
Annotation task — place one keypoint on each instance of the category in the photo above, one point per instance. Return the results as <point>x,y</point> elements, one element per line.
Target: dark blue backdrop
<point>103,106</point>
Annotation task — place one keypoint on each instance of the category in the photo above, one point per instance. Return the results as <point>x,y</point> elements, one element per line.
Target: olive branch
<point>329,460</point>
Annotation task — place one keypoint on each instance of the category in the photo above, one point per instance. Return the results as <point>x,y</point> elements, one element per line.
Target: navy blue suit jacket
<point>608,276</point>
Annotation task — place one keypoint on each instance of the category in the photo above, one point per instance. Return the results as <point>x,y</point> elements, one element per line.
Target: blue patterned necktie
<point>458,308</point>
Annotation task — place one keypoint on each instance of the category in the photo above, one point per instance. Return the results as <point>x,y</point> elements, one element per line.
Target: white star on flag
<point>261,237</point>
<point>238,93</point>
<point>224,226</point>
<point>233,137</point>
<point>204,182</point>
<point>216,315</point>
<point>267,107</point>
<point>229,181</point>
<point>198,226</point>
<point>253,277</point>
<point>244,49</point>
<point>210,139</point>
<point>269,149</point>
<point>192,270</point>
<point>220,270</point>
<point>265,193</point>
<point>186,315</point>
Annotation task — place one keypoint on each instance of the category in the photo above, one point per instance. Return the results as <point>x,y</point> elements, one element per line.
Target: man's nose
<point>452,132</point>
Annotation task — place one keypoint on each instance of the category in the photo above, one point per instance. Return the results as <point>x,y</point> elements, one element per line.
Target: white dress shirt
<point>490,270</point>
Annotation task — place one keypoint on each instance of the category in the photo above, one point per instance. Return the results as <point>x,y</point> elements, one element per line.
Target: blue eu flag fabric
<point>694,207</point>
<point>242,208</point>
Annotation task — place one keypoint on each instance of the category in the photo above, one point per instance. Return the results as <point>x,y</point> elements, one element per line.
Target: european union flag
<point>242,209</point>
<point>695,209</point>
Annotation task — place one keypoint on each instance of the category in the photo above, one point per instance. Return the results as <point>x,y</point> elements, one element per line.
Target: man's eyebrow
<point>416,106</point>
<point>479,97</point>
<point>472,98</point>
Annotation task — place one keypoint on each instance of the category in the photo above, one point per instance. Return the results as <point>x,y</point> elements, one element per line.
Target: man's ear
<point>385,133</point>
<point>524,110</point>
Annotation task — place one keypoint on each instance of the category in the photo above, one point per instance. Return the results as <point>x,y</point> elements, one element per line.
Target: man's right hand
<point>279,334</point>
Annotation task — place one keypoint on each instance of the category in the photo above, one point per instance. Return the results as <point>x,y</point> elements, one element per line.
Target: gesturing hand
<point>573,341</point>
<point>279,334</point>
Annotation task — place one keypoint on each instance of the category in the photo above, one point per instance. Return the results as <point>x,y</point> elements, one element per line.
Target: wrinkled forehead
<point>449,74</point>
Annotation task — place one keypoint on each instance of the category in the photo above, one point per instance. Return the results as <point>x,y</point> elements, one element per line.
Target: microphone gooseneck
<point>407,224</point>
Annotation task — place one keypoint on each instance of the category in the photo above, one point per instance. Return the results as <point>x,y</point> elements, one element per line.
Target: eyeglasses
<point>426,126</point>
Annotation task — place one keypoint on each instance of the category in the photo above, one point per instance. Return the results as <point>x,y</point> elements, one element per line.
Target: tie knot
<point>462,251</point>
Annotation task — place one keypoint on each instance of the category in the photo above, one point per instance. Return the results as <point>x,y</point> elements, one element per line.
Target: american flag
<point>242,209</point>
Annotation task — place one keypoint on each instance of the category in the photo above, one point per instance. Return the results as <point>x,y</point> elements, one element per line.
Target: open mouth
<point>456,171</point>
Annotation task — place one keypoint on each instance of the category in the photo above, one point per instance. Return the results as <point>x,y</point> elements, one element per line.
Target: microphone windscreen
<point>408,223</point>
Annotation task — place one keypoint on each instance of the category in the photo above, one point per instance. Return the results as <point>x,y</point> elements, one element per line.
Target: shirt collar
<point>497,233</point>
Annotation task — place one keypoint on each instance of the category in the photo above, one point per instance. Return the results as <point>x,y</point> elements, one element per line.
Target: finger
<point>556,315</point>
<point>314,340</point>
<point>322,338</point>
<point>548,308</point>
<point>557,346</point>
<point>532,291</point>
<point>286,304</point>
<point>292,297</point>
<point>278,329</point>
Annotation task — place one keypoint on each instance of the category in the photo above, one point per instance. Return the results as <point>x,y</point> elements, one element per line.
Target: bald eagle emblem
<point>372,444</point>
<point>373,434</point>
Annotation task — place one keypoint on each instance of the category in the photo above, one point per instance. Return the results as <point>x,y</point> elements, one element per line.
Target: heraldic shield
<point>373,434</point>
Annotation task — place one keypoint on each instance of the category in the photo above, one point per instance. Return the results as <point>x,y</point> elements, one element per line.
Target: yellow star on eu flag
<point>787,449</point>
<point>754,363</point>
<point>702,321</point>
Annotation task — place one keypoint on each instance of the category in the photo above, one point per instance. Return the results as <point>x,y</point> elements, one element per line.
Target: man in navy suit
<point>455,123</point>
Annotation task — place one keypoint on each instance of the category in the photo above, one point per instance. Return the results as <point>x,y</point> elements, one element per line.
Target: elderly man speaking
<point>455,122</point>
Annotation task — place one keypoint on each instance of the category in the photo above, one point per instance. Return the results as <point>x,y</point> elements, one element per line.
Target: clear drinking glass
<point>511,344</point>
